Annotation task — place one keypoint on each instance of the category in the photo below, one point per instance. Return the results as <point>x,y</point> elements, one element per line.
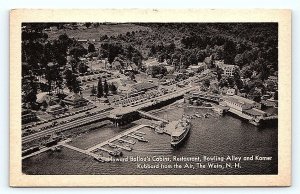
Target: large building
<point>75,100</point>
<point>240,103</point>
<point>228,70</point>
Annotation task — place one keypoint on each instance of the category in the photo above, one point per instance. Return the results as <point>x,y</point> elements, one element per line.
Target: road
<point>65,126</point>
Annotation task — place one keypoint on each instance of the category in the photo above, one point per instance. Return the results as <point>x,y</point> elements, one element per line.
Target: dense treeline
<point>251,46</point>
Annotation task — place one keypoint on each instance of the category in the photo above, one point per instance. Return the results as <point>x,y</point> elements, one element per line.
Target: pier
<point>117,137</point>
<point>80,150</point>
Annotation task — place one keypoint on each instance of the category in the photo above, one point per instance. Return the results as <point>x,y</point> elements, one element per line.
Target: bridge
<point>150,116</point>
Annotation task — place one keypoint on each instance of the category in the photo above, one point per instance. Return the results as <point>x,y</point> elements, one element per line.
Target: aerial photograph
<point>149,98</point>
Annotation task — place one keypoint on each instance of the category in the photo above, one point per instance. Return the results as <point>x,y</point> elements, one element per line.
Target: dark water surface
<point>219,136</point>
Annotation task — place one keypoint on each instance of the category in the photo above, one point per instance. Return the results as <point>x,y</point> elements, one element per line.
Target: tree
<point>276,95</point>
<point>256,95</point>
<point>93,91</point>
<point>100,88</point>
<point>239,60</point>
<point>82,68</point>
<point>72,82</point>
<point>229,52</point>
<point>113,88</point>
<point>29,91</point>
<point>105,86</point>
<point>219,73</point>
<point>223,82</point>
<point>206,83</point>
<point>91,48</point>
<point>78,51</point>
<point>237,79</point>
<point>131,76</point>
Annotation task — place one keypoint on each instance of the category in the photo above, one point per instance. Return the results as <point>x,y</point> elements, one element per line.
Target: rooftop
<point>143,86</point>
<point>239,99</point>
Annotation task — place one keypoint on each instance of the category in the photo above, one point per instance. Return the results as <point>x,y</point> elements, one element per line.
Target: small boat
<point>140,132</point>
<point>137,134</point>
<point>197,115</point>
<point>56,149</point>
<point>116,152</point>
<point>112,145</point>
<point>130,141</point>
<point>127,147</point>
<point>139,138</point>
<point>143,140</point>
<point>101,159</point>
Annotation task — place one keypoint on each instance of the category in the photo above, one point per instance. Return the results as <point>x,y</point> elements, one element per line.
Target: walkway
<point>148,115</point>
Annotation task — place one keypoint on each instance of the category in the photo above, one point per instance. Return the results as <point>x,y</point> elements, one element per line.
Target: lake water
<point>216,136</point>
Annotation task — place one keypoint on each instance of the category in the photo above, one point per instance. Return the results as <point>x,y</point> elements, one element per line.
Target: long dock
<point>80,150</point>
<point>116,137</point>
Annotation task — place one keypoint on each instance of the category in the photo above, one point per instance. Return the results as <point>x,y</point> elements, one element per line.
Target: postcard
<point>150,98</point>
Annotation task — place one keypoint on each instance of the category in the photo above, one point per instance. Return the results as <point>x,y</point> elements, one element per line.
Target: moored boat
<point>182,128</point>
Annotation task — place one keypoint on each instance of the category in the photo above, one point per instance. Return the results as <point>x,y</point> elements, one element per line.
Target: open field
<point>95,33</point>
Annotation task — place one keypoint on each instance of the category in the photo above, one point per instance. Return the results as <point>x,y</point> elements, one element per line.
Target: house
<point>228,70</point>
<point>45,98</point>
<point>194,68</point>
<point>75,100</point>
<point>150,62</point>
<point>55,109</point>
<point>240,103</point>
<point>231,92</point>
<point>133,66</point>
<point>116,65</point>
<point>273,79</point>
<point>53,28</point>
<point>82,40</point>
<point>170,68</point>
